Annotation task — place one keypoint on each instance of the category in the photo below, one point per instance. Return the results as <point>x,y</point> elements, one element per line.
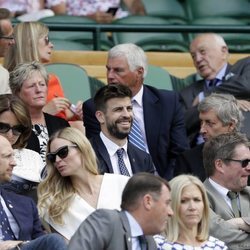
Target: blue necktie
<point>135,136</point>
<point>213,83</point>
<point>121,164</point>
<point>5,225</point>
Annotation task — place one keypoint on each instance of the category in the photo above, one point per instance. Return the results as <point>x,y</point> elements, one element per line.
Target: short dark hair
<point>221,147</point>
<point>4,14</point>
<point>108,92</point>
<point>139,185</point>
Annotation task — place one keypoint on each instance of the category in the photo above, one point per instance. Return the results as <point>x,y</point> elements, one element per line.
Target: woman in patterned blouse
<point>189,227</point>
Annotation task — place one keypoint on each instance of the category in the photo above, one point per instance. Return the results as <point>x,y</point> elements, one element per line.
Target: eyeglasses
<point>16,130</point>
<point>244,163</point>
<point>7,37</point>
<point>61,152</point>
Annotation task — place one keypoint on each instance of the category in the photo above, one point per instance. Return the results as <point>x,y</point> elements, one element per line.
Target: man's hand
<point>9,244</point>
<point>244,105</point>
<point>240,223</point>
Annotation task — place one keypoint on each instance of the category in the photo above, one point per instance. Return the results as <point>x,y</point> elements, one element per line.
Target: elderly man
<point>6,40</point>
<point>20,226</point>
<point>219,114</point>
<point>226,160</point>
<point>145,209</point>
<point>210,56</point>
<point>158,113</point>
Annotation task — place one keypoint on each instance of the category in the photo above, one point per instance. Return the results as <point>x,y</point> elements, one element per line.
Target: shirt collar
<point>135,227</point>
<point>222,190</point>
<point>138,97</point>
<point>221,73</point>
<point>111,146</point>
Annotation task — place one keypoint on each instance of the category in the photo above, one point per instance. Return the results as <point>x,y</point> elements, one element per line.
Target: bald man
<point>210,57</point>
<point>26,232</point>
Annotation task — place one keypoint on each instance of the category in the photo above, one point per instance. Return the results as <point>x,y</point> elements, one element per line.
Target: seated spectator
<point>73,187</point>
<point>39,48</point>
<point>219,114</point>
<point>189,227</point>
<point>97,10</point>
<point>145,210</point>
<point>15,125</point>
<point>158,112</point>
<point>226,160</point>
<point>26,10</point>
<point>6,40</point>
<point>29,81</point>
<point>210,57</point>
<point>20,225</point>
<point>114,152</point>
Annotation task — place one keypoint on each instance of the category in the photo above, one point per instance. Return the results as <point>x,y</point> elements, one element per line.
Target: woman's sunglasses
<point>61,152</point>
<point>16,130</point>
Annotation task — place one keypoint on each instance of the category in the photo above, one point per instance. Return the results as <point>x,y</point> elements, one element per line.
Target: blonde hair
<point>177,185</point>
<point>55,192</point>
<point>25,49</point>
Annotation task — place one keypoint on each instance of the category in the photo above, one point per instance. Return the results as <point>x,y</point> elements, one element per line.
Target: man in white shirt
<point>227,163</point>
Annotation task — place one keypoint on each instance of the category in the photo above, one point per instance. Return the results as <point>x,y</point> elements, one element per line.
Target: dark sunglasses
<point>61,152</point>
<point>244,163</point>
<point>7,37</point>
<point>16,130</point>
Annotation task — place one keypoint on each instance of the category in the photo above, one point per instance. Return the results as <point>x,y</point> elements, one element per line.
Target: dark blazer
<point>53,124</point>
<point>164,127</point>
<point>191,162</point>
<point>140,161</point>
<point>25,213</point>
<point>105,229</point>
<point>235,82</point>
<point>220,212</point>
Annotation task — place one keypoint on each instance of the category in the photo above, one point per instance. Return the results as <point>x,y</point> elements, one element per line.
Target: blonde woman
<point>189,227</point>
<point>73,188</point>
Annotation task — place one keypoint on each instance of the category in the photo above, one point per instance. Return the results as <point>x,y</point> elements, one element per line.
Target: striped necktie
<point>135,136</point>
<point>5,225</point>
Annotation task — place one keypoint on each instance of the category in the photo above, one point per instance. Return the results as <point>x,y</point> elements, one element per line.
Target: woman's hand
<point>56,105</point>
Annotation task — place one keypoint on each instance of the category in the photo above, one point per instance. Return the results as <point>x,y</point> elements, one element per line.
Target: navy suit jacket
<point>164,127</point>
<point>140,161</point>
<point>235,82</point>
<point>191,162</point>
<point>25,213</point>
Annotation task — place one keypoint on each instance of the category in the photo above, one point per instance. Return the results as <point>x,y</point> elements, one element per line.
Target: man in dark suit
<point>227,162</point>
<point>115,114</point>
<point>20,213</point>
<point>145,209</point>
<point>158,112</point>
<point>210,56</point>
<point>219,114</point>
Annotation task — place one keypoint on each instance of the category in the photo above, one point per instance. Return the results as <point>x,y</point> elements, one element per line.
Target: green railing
<point>97,29</point>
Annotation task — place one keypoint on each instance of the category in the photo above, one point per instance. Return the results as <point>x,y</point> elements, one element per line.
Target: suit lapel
<point>104,162</point>
<point>244,203</point>
<point>127,231</point>
<point>151,110</point>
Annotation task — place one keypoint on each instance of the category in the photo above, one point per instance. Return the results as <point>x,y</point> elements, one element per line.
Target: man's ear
<point>219,165</point>
<point>147,201</point>
<point>100,116</point>
<point>231,126</point>
<point>140,71</point>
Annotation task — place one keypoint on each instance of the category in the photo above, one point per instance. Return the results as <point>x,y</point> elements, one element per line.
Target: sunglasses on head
<point>61,152</point>
<point>16,130</point>
<point>244,163</point>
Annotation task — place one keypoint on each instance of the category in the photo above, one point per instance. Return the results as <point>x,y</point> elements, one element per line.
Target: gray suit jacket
<point>220,212</point>
<point>105,229</point>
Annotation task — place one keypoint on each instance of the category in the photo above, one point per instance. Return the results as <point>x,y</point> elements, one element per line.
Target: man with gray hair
<point>158,114</point>
<point>210,57</point>
<point>227,163</point>
<point>219,114</point>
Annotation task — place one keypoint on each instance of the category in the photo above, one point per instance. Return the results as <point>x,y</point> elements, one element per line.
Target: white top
<point>109,197</point>
<point>4,81</point>
<point>29,165</point>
